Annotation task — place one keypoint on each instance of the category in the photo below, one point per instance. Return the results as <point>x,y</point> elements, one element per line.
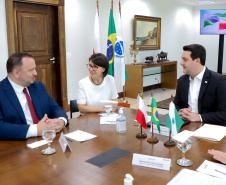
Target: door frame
<point>11,36</point>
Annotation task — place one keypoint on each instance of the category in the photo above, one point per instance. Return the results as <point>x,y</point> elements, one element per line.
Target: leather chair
<point>73,107</point>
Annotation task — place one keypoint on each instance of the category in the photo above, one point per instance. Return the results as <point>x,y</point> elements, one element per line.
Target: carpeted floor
<point>164,104</point>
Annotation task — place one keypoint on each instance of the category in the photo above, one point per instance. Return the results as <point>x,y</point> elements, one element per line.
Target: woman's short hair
<point>101,60</point>
<point>15,60</point>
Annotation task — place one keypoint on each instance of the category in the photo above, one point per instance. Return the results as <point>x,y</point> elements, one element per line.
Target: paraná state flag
<point>111,43</point>
<point>96,45</point>
<point>120,73</point>
<point>154,113</point>
<point>142,116</point>
<point>174,121</point>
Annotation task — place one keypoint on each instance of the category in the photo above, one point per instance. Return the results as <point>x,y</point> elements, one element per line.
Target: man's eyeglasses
<point>89,66</point>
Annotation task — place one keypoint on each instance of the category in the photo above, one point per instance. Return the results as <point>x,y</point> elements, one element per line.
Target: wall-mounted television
<point>213,21</point>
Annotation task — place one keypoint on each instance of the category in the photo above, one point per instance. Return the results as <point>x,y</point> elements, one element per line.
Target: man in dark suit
<point>25,105</point>
<point>201,93</point>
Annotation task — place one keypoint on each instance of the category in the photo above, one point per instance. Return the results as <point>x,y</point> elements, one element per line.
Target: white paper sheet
<point>37,144</point>
<point>211,132</point>
<point>183,136</point>
<point>190,177</point>
<point>214,169</point>
<point>79,135</point>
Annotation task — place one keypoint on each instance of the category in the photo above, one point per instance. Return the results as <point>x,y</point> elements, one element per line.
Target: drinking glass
<point>184,147</point>
<point>48,134</point>
<point>108,109</point>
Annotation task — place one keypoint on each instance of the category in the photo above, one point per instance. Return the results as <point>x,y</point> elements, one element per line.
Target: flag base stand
<point>141,135</point>
<point>169,143</point>
<point>152,140</point>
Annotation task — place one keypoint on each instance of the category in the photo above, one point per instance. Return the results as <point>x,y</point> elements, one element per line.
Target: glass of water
<point>184,147</point>
<point>48,134</point>
<point>108,109</point>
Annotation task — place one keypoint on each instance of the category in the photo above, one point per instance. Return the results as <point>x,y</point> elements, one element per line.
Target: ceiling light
<point>203,2</point>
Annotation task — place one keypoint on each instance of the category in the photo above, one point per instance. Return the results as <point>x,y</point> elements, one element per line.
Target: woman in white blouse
<point>97,86</point>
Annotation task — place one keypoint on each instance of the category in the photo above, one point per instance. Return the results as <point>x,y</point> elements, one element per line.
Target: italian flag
<point>174,121</point>
<point>142,116</point>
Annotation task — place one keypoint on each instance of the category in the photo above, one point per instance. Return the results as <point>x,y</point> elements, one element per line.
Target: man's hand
<point>41,123</point>
<point>57,123</point>
<point>187,114</point>
<point>218,155</point>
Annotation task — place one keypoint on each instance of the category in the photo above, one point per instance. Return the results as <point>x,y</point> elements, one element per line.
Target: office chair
<point>73,107</point>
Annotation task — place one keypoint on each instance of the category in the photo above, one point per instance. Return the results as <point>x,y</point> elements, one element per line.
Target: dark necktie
<point>31,107</point>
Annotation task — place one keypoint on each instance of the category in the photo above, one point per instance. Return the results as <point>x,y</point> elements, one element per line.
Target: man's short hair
<point>101,60</point>
<point>197,51</point>
<point>15,60</point>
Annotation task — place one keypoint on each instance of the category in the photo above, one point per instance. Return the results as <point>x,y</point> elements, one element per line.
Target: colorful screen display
<point>213,22</point>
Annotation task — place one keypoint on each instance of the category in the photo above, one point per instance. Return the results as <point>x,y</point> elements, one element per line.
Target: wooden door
<point>37,34</point>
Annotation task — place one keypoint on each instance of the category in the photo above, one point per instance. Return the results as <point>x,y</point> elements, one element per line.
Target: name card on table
<point>108,120</point>
<point>63,143</point>
<point>163,130</point>
<point>151,162</point>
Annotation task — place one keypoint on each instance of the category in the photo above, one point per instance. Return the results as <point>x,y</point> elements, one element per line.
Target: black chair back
<point>73,107</point>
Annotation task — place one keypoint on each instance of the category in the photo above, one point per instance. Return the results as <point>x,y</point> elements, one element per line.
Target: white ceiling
<point>191,2</point>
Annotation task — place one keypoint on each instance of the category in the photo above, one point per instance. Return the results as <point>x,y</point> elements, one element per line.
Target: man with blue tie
<point>25,105</point>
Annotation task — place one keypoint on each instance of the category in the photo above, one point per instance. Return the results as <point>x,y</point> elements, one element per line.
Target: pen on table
<point>220,172</point>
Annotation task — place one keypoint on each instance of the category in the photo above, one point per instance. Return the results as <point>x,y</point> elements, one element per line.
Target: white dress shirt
<point>33,130</point>
<point>193,93</point>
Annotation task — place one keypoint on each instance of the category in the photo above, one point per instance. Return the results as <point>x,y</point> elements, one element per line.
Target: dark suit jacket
<point>211,100</point>
<point>13,124</point>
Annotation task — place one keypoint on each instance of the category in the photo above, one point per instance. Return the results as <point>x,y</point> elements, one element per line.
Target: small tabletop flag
<point>154,113</point>
<point>174,121</point>
<point>142,116</point>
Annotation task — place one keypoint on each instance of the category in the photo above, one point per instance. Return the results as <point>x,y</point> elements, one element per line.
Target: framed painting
<point>147,32</point>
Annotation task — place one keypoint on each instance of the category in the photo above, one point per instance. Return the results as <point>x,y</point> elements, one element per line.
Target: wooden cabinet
<point>134,83</point>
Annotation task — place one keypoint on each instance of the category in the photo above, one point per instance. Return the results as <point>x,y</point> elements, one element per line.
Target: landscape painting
<point>147,32</point>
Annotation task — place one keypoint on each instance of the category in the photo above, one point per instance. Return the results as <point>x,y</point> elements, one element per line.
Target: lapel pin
<point>206,82</point>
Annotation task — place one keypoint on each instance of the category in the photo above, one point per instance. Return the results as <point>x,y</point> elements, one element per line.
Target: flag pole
<point>152,139</point>
<point>141,134</point>
<point>98,7</point>
<point>124,90</point>
<point>170,142</point>
<point>112,6</point>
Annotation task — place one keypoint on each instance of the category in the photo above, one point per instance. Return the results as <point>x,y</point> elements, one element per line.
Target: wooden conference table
<point>22,165</point>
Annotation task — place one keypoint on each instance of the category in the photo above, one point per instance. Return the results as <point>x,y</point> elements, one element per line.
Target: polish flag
<point>96,46</point>
<point>142,116</point>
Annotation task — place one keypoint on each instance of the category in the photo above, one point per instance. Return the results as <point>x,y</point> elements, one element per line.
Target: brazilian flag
<point>154,113</point>
<point>111,43</point>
